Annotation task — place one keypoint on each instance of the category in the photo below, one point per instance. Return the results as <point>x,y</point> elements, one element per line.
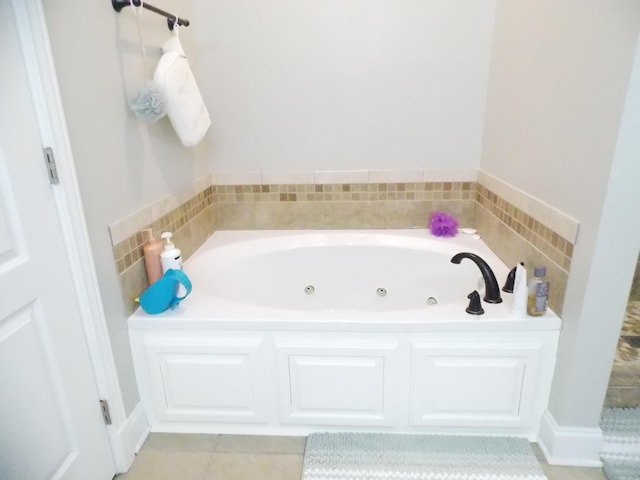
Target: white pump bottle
<point>171,257</point>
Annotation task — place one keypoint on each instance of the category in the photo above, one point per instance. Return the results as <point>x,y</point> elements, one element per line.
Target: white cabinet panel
<point>315,380</point>
<point>217,380</point>
<point>473,385</point>
<point>277,382</point>
<point>329,383</point>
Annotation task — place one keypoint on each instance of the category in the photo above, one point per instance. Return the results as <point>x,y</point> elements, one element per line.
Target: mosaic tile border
<point>561,223</point>
<point>337,192</point>
<point>129,251</point>
<point>558,249</point>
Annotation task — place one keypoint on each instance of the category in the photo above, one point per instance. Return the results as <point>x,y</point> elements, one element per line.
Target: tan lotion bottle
<point>152,249</point>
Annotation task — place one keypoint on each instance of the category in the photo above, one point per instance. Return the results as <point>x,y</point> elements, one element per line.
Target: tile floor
<point>239,457</point>
<point>624,382</point>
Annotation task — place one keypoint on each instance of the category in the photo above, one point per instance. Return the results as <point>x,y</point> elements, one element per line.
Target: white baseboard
<point>129,438</point>
<point>570,446</point>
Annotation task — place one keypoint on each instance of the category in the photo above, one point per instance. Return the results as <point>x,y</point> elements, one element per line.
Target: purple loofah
<point>443,225</point>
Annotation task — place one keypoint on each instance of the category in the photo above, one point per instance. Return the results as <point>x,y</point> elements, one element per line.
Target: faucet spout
<point>492,290</point>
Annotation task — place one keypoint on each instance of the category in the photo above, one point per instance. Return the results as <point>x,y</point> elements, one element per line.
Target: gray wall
<point>122,164</point>
<point>559,78</point>
<point>301,85</point>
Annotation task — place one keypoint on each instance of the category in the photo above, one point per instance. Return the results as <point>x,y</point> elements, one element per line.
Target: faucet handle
<point>511,279</point>
<point>475,304</point>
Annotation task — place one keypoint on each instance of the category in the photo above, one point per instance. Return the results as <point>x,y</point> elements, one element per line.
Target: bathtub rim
<point>196,312</point>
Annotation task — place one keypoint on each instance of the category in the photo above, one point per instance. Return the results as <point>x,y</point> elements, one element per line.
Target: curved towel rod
<point>172,20</point>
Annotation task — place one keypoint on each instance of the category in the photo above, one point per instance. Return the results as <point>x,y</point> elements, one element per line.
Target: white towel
<point>185,108</point>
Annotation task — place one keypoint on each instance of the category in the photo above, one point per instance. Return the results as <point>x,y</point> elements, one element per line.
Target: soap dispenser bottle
<point>171,257</point>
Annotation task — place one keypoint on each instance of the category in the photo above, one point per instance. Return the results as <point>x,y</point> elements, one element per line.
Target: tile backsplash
<point>340,205</point>
<point>191,223</point>
<point>129,250</point>
<point>360,200</point>
<point>558,249</point>
<point>515,236</point>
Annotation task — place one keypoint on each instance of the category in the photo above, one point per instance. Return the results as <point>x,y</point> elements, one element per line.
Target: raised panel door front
<point>472,385</point>
<point>341,383</point>
<point>208,380</point>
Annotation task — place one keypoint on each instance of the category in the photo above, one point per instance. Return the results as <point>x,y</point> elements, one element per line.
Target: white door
<point>50,421</point>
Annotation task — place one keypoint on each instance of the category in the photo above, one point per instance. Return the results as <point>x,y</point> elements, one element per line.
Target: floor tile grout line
<point>205,473</point>
<point>215,442</point>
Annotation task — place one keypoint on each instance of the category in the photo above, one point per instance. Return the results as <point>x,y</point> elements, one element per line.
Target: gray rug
<point>621,449</point>
<point>387,456</point>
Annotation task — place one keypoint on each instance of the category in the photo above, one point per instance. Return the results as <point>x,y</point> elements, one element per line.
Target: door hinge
<point>50,162</point>
<point>104,406</point>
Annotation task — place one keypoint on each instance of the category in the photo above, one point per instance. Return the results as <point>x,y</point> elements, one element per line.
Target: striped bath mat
<point>621,447</point>
<point>388,456</point>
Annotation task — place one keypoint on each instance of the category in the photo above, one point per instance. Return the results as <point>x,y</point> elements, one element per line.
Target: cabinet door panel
<point>337,384</point>
<point>216,380</point>
<point>473,385</point>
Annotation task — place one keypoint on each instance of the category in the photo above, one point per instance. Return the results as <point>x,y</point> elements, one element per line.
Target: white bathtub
<point>265,276</point>
<point>288,332</point>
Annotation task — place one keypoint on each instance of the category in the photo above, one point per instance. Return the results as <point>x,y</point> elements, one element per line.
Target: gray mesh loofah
<point>150,103</point>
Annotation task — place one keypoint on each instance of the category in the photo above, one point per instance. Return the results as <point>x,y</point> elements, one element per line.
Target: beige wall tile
<point>341,176</point>
<point>163,206</point>
<point>235,216</point>
<point>291,215</point>
<point>418,213</point>
<point>203,182</point>
<point>554,219</point>
<point>452,175</point>
<point>395,176</point>
<point>133,281</point>
<point>512,248</point>
<point>192,235</point>
<point>274,178</point>
<point>124,228</point>
<point>360,215</point>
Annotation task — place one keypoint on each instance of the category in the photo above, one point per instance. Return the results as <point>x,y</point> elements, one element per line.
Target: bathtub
<point>397,278</point>
<point>289,332</point>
